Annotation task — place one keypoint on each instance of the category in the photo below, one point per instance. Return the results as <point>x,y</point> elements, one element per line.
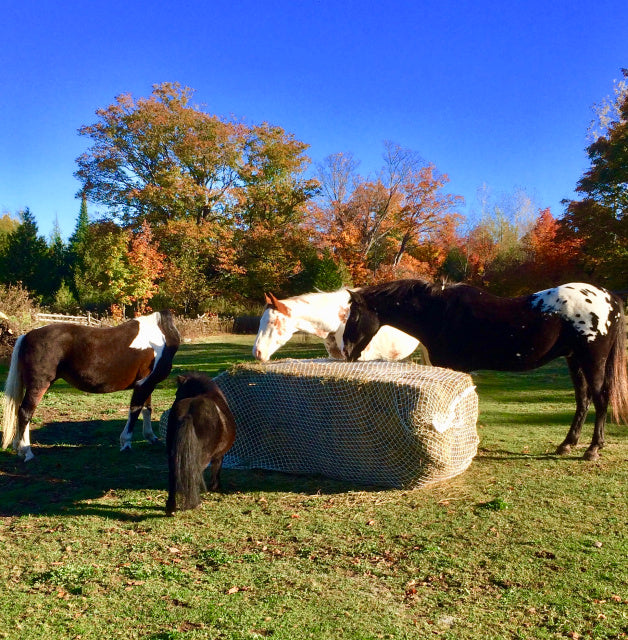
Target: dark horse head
<point>371,309</point>
<point>362,324</point>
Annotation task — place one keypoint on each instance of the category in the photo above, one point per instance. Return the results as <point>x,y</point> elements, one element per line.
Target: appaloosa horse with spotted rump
<point>466,329</point>
<point>134,355</point>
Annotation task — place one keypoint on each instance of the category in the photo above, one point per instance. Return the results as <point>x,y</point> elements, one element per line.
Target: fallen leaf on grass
<point>233,590</point>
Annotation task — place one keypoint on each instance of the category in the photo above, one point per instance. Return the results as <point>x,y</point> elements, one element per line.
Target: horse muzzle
<point>348,353</point>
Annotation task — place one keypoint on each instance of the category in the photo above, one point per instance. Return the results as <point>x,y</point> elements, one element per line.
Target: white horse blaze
<point>585,306</point>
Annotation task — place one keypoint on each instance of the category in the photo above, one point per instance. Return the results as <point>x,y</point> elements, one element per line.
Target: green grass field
<point>524,544</point>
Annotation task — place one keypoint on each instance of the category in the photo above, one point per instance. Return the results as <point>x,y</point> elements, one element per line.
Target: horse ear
<point>181,379</point>
<point>354,296</point>
<point>278,305</point>
<point>268,299</point>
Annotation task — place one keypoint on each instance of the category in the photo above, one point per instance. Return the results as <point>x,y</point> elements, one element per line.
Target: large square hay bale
<point>390,424</point>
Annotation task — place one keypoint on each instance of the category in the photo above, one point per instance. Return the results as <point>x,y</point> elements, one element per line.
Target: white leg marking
<point>148,427</point>
<point>23,447</point>
<point>125,437</point>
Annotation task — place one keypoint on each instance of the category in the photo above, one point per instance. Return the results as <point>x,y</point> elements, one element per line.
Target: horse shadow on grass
<point>78,469</point>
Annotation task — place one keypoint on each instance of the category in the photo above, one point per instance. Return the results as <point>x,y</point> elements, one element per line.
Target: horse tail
<point>617,372</point>
<point>189,464</point>
<point>13,394</point>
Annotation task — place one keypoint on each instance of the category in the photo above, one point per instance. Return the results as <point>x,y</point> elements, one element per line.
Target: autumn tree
<point>380,227</point>
<point>145,269</point>
<point>164,161</point>
<point>492,249</point>
<point>600,218</point>
<point>162,158</point>
<point>158,158</point>
<point>8,224</point>
<point>551,258</point>
<point>121,268</point>
<point>198,265</point>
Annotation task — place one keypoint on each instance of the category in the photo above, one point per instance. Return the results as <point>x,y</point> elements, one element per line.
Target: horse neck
<point>401,312</point>
<point>322,312</point>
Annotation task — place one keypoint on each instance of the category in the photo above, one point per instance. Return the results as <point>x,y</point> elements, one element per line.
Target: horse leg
<point>600,402</point>
<point>583,399</point>
<point>216,466</point>
<point>127,433</point>
<point>22,442</point>
<point>147,423</point>
<point>140,397</point>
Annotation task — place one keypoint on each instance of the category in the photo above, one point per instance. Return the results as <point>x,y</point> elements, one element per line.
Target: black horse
<point>201,429</point>
<point>134,355</point>
<point>466,329</point>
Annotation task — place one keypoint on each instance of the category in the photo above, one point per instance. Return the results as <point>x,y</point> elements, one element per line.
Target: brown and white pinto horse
<point>465,328</point>
<point>323,314</point>
<point>134,355</point>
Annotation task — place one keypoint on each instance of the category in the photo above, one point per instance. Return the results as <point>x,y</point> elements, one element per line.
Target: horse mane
<point>170,331</point>
<point>402,288</point>
<point>308,298</point>
<point>192,384</point>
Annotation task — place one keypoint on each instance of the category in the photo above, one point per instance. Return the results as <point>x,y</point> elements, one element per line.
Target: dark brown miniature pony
<point>201,429</point>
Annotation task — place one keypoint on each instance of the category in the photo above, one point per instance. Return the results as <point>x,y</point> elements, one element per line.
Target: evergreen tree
<point>82,224</point>
<point>58,270</point>
<point>25,258</point>
<point>78,247</point>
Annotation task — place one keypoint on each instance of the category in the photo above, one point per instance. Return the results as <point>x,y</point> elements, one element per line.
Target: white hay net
<point>391,424</point>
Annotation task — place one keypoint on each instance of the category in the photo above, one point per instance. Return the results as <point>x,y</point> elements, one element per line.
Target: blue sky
<point>494,93</point>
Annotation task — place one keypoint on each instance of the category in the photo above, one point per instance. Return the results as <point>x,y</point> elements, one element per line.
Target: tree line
<point>203,213</point>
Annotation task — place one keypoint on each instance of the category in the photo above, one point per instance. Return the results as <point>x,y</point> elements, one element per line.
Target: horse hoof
<point>126,447</point>
<point>25,455</point>
<point>591,454</point>
<point>564,449</point>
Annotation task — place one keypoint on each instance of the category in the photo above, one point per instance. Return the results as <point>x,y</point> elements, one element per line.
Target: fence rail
<point>88,320</point>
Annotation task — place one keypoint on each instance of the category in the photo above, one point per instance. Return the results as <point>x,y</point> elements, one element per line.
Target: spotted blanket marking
<point>585,306</point>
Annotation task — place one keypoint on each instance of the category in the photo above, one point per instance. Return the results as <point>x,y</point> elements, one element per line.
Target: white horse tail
<point>13,394</point>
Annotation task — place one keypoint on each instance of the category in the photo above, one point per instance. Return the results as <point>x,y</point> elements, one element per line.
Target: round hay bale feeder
<point>389,424</point>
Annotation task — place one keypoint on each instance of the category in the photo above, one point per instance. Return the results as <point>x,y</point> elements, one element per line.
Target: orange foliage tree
<point>385,228</point>
<point>145,268</point>
<point>552,258</point>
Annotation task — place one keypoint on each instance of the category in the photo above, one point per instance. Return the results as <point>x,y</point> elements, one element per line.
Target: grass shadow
<point>78,464</point>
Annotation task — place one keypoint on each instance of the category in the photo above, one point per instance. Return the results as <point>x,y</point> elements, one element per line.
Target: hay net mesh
<point>390,424</point>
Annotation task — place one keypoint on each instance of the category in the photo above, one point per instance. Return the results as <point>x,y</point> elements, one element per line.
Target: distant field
<point>524,544</point>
